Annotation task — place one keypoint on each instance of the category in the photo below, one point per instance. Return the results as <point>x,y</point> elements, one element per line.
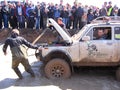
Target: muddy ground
<point>82,79</point>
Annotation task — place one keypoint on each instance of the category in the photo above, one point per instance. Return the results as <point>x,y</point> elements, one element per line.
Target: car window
<point>90,34</point>
<point>117,33</point>
<point>102,33</point>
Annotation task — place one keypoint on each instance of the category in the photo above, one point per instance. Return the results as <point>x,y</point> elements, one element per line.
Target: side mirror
<point>86,38</point>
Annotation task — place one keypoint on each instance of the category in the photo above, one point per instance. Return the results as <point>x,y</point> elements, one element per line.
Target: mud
<point>29,34</point>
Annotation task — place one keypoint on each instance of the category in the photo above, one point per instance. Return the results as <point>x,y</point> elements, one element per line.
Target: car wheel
<point>118,74</point>
<point>57,68</point>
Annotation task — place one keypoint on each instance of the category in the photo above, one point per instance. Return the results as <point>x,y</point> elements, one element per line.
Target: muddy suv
<point>96,44</point>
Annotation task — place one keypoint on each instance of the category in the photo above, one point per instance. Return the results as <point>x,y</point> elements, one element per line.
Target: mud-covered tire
<point>57,68</point>
<point>118,74</point>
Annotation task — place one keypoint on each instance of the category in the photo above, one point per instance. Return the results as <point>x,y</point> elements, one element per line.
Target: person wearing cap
<point>110,9</point>
<point>60,22</point>
<point>59,39</point>
<point>19,54</point>
<point>62,25</point>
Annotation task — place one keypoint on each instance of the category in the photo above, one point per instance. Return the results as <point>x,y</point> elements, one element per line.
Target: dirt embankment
<point>31,35</point>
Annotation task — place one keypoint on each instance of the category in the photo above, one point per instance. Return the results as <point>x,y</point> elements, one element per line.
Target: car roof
<point>105,24</point>
<point>105,20</point>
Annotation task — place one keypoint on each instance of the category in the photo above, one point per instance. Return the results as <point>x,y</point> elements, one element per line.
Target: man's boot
<point>17,71</point>
<point>31,72</point>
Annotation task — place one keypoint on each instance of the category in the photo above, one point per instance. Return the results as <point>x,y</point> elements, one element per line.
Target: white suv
<point>96,44</point>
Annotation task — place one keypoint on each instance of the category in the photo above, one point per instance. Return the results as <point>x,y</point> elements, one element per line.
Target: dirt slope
<point>30,35</point>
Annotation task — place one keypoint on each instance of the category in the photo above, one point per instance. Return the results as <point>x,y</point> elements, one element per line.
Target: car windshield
<point>78,35</point>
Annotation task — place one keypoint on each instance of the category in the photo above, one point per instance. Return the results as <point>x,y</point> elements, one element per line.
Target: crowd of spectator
<point>27,15</point>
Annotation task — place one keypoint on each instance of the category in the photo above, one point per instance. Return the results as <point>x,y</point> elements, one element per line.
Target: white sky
<point>98,3</point>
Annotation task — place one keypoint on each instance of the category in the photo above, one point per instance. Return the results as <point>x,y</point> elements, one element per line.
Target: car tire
<point>118,74</point>
<point>57,68</point>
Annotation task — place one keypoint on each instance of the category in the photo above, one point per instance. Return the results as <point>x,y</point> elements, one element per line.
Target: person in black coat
<point>30,16</point>
<point>90,16</point>
<point>44,17</point>
<point>79,13</point>
<point>0,17</point>
<point>5,14</point>
<point>119,12</point>
<point>64,15</point>
<point>13,17</point>
<point>51,11</point>
<point>38,17</point>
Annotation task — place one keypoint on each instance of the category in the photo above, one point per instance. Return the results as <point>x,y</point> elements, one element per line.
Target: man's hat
<point>60,18</point>
<point>15,31</point>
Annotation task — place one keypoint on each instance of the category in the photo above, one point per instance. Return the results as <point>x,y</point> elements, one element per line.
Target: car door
<point>97,50</point>
<point>117,40</point>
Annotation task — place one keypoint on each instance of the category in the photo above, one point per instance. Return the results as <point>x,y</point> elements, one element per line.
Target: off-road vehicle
<point>86,48</point>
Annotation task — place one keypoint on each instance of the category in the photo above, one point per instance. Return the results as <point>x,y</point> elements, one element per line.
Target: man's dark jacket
<point>16,41</point>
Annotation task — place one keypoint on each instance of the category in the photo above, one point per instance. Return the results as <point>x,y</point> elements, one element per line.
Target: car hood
<point>63,34</point>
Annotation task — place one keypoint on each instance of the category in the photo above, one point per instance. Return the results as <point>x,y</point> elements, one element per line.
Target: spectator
<point>57,12</point>
<point>78,19</point>
<point>90,16</point>
<point>21,21</point>
<point>6,13</point>
<point>19,9</point>
<point>20,15</point>
<point>59,39</point>
<point>30,16</point>
<point>119,12</point>
<point>84,17</point>
<point>96,13</point>
<point>44,16</point>
<point>51,11</point>
<point>0,16</point>
<point>37,16</point>
<point>61,23</point>
<point>64,15</point>
<point>69,16</point>
<point>13,17</point>
<point>110,9</point>
<point>74,8</point>
<point>103,10</point>
<point>115,11</point>
<point>61,5</point>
